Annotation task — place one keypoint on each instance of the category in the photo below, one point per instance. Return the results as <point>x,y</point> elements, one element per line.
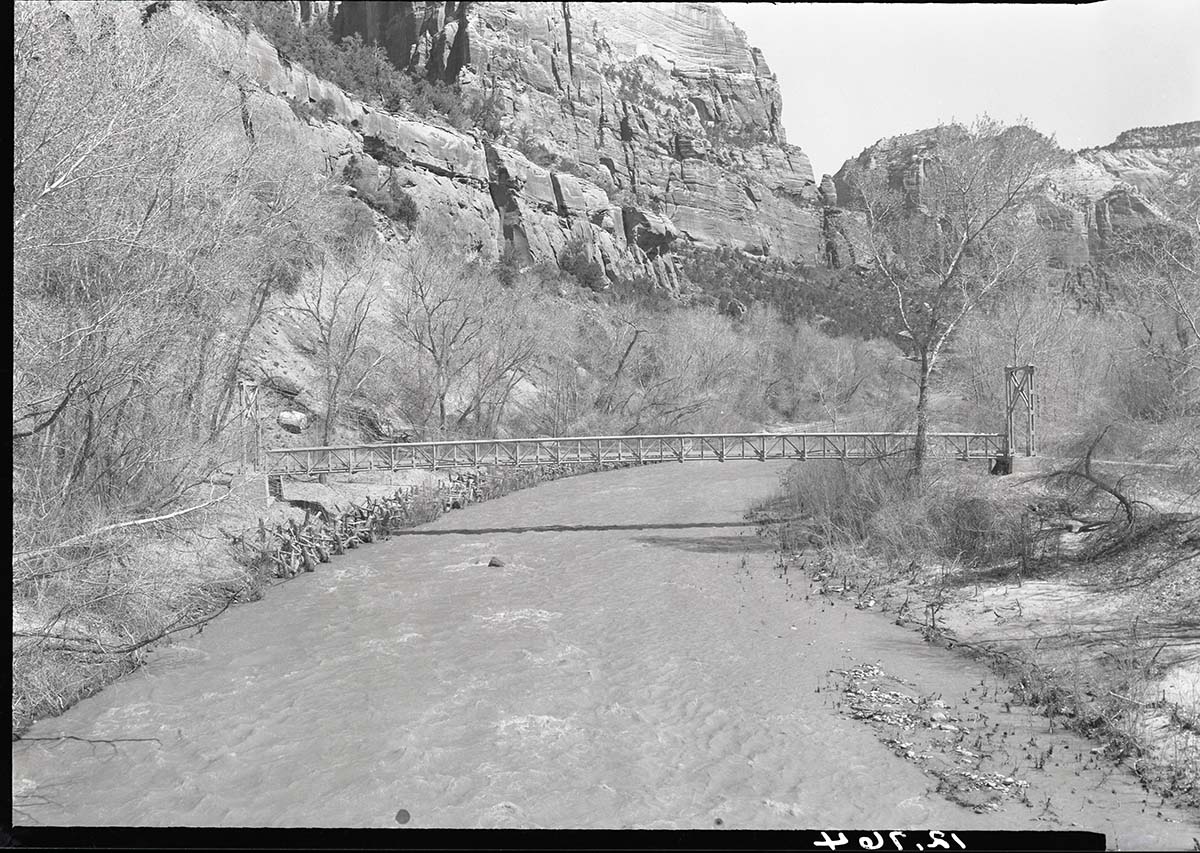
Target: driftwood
<point>1129,506</point>
<point>91,534</point>
<point>92,645</point>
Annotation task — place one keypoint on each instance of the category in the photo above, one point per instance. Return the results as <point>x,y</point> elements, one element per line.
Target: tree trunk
<point>225,401</point>
<point>921,445</point>
<point>327,429</point>
<point>607,397</point>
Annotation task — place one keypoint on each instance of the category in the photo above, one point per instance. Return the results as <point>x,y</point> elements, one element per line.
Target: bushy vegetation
<point>871,507</point>
<point>576,260</point>
<point>319,111</point>
<point>843,300</point>
<point>363,69</point>
<point>382,193</point>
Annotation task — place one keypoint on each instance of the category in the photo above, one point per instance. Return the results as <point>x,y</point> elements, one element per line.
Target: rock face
<point>1079,205</point>
<point>663,106</point>
<point>634,128</point>
<point>432,39</point>
<point>631,130</point>
<point>1151,159</point>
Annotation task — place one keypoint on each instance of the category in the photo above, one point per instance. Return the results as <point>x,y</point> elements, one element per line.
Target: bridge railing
<point>600,449</point>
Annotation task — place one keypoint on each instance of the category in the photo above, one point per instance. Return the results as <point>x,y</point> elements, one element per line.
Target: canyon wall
<point>635,128</point>
<point>1129,184</point>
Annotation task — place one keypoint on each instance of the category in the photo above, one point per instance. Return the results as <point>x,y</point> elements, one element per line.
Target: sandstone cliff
<point>1095,191</point>
<point>635,128</point>
<point>664,107</point>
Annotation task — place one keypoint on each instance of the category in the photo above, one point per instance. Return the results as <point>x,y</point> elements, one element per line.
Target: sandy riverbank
<point>1108,646</point>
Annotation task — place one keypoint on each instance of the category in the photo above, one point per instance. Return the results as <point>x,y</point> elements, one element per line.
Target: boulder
<point>650,232</point>
<point>293,422</point>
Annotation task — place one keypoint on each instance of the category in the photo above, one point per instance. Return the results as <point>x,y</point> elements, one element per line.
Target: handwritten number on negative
<point>875,841</point>
<point>938,842</point>
<point>865,842</point>
<point>830,843</point>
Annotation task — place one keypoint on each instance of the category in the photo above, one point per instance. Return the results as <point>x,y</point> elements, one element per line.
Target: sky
<point>853,73</point>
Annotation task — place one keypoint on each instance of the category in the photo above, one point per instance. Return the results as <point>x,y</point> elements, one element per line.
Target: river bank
<point>1104,641</point>
<point>175,576</point>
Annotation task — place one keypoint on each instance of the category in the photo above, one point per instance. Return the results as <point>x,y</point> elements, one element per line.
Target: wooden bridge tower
<point>251,424</point>
<point>1019,394</point>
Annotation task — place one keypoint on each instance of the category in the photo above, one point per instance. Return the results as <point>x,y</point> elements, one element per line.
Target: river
<point>636,662</point>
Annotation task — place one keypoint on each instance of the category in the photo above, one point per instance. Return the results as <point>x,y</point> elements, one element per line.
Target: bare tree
<point>628,328</point>
<point>115,232</point>
<point>336,309</point>
<point>1157,269</point>
<point>438,309</point>
<point>677,369</point>
<point>831,372</point>
<point>134,252</point>
<point>144,219</point>
<point>954,232</point>
<point>512,344</point>
<point>472,339</point>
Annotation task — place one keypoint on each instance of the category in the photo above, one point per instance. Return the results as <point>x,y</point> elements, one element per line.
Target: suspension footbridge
<point>720,447</point>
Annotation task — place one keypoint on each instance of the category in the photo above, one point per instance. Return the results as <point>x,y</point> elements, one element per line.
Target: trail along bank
<point>635,662</point>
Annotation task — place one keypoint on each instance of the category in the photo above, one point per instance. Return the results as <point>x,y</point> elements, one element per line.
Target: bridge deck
<point>722,447</point>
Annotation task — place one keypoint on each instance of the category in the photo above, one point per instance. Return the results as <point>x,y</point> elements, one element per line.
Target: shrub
<point>622,196</point>
<point>974,526</point>
<point>319,111</point>
<point>799,291</point>
<point>508,268</point>
<point>302,109</point>
<point>534,150</point>
<point>353,173</point>
<point>395,203</point>
<point>382,152</point>
<point>401,207</point>
<point>576,260</point>
<point>570,167</point>
<point>486,111</point>
<point>386,196</point>
<point>285,274</point>
<point>353,223</point>
<point>326,108</point>
<point>871,504</point>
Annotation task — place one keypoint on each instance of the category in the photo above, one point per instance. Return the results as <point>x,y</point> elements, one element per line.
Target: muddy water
<point>635,662</point>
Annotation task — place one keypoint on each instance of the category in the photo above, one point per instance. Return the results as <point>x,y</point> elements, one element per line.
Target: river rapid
<point>636,662</point>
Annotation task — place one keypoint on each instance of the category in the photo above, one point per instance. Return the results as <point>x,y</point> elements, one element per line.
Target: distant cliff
<point>1125,185</point>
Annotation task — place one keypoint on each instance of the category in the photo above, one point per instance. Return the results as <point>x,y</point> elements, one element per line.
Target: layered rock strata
<point>1079,204</point>
<point>664,107</point>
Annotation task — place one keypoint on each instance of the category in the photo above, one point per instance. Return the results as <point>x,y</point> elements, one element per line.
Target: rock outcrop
<point>635,128</point>
<point>1080,204</point>
<point>431,39</point>
<point>663,106</point>
<point>1154,160</point>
